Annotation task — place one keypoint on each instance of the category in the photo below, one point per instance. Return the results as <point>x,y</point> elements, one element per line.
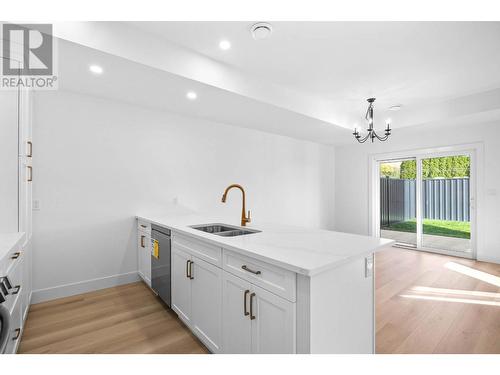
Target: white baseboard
<point>67,290</point>
<point>489,259</point>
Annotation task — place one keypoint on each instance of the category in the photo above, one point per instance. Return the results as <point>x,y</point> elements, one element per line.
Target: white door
<point>25,196</point>
<point>206,303</point>
<point>237,331</point>
<point>181,284</point>
<point>272,317</point>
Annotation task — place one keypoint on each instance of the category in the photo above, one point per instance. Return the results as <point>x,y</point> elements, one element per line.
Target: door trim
<point>476,153</point>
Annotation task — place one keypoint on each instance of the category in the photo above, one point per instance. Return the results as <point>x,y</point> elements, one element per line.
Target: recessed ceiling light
<point>261,30</point>
<point>191,95</point>
<point>396,107</point>
<point>96,69</point>
<point>224,45</point>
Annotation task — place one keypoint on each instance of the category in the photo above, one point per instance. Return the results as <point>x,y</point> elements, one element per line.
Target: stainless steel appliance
<point>160,263</point>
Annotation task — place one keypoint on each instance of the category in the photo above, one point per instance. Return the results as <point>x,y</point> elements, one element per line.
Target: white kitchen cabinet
<point>181,284</point>
<point>197,296</point>
<point>15,273</point>
<point>27,287</point>
<point>237,328</point>
<point>16,329</point>
<point>206,303</point>
<point>144,255</point>
<point>273,323</point>
<point>227,313</point>
<point>255,320</point>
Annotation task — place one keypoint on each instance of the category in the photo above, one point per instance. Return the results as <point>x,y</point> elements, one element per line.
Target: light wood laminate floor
<point>430,303</point>
<point>123,319</point>
<point>425,303</point>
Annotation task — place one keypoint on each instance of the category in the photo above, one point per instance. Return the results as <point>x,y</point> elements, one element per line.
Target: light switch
<point>369,266</point>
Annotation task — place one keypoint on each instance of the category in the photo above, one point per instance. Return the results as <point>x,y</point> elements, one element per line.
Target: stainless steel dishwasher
<point>160,263</point>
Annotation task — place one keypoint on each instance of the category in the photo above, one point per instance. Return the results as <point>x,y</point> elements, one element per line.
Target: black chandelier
<point>371,132</point>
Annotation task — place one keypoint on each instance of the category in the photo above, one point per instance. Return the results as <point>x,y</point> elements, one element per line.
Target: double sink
<point>224,230</point>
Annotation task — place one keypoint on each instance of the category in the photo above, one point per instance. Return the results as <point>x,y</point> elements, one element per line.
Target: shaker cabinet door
<point>206,303</point>
<point>237,329</point>
<point>181,285</point>
<point>273,323</point>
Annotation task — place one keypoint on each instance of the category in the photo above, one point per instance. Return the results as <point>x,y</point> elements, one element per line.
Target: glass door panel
<point>445,208</point>
<point>398,201</point>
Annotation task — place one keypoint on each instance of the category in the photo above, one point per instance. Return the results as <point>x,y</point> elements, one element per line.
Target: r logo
<point>28,48</point>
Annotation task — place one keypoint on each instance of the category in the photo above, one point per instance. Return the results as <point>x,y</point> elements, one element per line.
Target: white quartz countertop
<point>8,241</point>
<point>301,250</point>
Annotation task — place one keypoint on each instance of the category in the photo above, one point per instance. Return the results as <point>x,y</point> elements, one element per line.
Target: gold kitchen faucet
<point>244,219</point>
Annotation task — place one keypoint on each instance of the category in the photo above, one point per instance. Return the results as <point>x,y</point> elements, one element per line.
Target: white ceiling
<point>144,86</point>
<point>409,63</point>
<point>309,80</point>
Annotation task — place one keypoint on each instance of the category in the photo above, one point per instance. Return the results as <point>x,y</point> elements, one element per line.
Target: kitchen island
<point>283,289</point>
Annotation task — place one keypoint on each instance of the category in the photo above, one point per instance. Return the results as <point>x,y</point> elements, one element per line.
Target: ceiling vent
<point>261,30</point>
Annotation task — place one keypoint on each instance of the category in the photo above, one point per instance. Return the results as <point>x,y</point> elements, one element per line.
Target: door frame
<point>474,150</point>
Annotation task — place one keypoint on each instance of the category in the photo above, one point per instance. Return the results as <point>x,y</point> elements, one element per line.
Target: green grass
<point>458,229</point>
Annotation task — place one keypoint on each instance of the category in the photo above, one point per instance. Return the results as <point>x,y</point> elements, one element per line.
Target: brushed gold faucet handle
<point>248,219</point>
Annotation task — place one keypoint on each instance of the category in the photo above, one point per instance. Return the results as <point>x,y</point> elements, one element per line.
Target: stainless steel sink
<point>240,232</point>
<point>224,230</point>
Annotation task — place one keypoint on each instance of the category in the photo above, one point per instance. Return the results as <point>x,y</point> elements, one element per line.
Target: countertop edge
<point>290,267</point>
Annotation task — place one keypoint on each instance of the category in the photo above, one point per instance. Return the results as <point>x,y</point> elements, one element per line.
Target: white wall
<point>352,187</point>
<point>9,163</point>
<point>100,162</point>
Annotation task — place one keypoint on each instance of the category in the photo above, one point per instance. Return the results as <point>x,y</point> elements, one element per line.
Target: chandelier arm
<point>382,139</point>
<point>364,139</point>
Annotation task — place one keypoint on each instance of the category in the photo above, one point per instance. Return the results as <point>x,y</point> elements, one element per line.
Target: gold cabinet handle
<point>30,152</point>
<point>16,255</point>
<point>30,169</point>
<point>17,289</point>
<point>249,270</point>
<point>245,312</point>
<point>191,270</point>
<point>142,225</point>
<point>142,241</point>
<point>252,316</point>
<point>18,333</point>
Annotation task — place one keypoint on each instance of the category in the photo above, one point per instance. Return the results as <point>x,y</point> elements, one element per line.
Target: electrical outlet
<point>369,266</point>
<point>36,205</point>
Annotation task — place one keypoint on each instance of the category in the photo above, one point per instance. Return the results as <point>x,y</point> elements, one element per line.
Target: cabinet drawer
<point>16,326</point>
<point>274,279</point>
<point>14,277</point>
<point>10,260</point>
<point>207,252</point>
<point>144,226</point>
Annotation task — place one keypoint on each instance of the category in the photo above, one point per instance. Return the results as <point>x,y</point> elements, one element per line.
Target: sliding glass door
<point>398,201</point>
<point>446,203</point>
<point>426,202</point>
